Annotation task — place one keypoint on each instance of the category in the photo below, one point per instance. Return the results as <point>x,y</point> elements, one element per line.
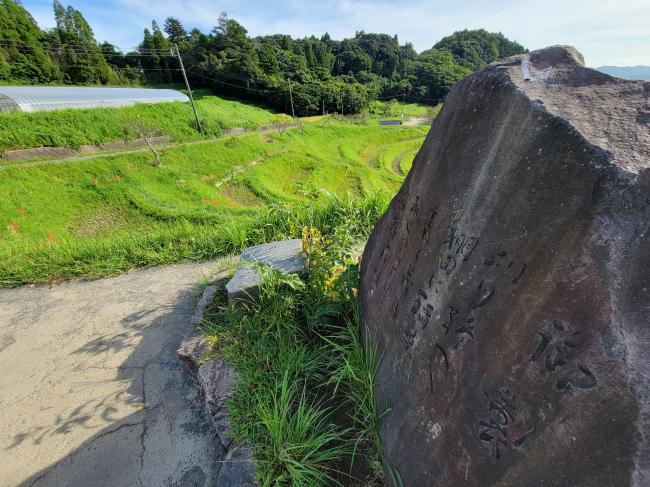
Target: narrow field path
<point>92,393</point>
<point>235,171</point>
<point>172,145</point>
<point>395,163</point>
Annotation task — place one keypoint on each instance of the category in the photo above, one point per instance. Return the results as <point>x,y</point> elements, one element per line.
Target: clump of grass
<point>178,240</point>
<point>301,441</point>
<point>304,397</point>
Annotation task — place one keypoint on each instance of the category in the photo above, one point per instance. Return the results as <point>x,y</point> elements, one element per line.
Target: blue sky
<point>606,32</point>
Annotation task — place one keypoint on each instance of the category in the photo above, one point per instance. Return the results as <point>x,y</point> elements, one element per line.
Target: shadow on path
<point>117,408</point>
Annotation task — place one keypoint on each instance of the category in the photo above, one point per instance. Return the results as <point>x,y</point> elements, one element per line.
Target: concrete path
<point>91,391</point>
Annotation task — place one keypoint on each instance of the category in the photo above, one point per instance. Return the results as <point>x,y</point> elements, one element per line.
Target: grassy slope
<point>396,110</point>
<point>106,215</point>
<point>72,128</point>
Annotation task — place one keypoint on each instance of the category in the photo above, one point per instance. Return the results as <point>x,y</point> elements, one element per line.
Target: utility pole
<point>403,101</point>
<point>293,115</point>
<point>342,110</point>
<point>323,100</point>
<point>189,90</point>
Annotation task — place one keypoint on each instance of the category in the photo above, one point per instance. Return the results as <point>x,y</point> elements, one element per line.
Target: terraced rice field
<point>105,215</point>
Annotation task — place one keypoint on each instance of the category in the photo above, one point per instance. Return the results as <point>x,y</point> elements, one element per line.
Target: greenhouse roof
<point>45,98</point>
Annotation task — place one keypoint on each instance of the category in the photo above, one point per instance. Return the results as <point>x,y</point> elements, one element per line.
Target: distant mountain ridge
<point>627,72</point>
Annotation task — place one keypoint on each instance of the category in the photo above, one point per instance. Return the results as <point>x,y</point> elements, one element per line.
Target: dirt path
<point>92,393</point>
<point>415,121</point>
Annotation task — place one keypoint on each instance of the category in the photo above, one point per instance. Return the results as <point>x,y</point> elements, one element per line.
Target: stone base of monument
<point>285,255</point>
<point>216,378</point>
<point>193,347</point>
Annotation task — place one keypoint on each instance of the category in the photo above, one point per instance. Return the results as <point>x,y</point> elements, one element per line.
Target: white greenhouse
<point>46,98</point>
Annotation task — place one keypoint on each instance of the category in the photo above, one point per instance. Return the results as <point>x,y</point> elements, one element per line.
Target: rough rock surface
<point>238,469</point>
<point>508,284</point>
<point>193,346</point>
<point>286,255</point>
<point>217,379</point>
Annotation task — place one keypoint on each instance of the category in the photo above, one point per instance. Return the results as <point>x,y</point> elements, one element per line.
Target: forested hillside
<point>324,74</point>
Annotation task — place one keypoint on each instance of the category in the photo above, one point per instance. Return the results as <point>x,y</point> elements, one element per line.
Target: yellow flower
<point>311,239</point>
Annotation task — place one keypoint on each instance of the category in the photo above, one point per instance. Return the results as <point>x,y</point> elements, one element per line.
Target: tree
<point>476,48</point>
<point>23,56</point>
<point>433,74</point>
<point>268,58</point>
<point>174,30</point>
<point>235,49</point>
<point>156,59</point>
<point>352,59</point>
<point>389,108</point>
<point>384,51</point>
<point>79,56</point>
<point>325,73</point>
<point>126,66</point>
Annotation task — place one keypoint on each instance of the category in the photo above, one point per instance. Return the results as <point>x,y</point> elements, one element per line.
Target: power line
<point>389,97</point>
<point>62,48</point>
<point>394,97</point>
<point>136,68</point>
<point>224,72</point>
<point>58,52</point>
<point>80,46</point>
<point>105,53</point>
<point>58,49</point>
<point>52,47</point>
<point>235,86</point>
<point>217,71</point>
<point>221,70</point>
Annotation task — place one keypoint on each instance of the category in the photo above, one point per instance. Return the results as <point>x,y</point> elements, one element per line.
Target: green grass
<point>304,397</point>
<point>106,215</point>
<point>385,109</point>
<point>412,109</point>
<point>395,157</point>
<point>72,128</point>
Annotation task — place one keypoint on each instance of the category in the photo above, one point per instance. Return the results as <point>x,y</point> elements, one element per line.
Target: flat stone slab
<point>285,255</point>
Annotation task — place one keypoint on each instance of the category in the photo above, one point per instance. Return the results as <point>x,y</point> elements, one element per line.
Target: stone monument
<point>508,284</point>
